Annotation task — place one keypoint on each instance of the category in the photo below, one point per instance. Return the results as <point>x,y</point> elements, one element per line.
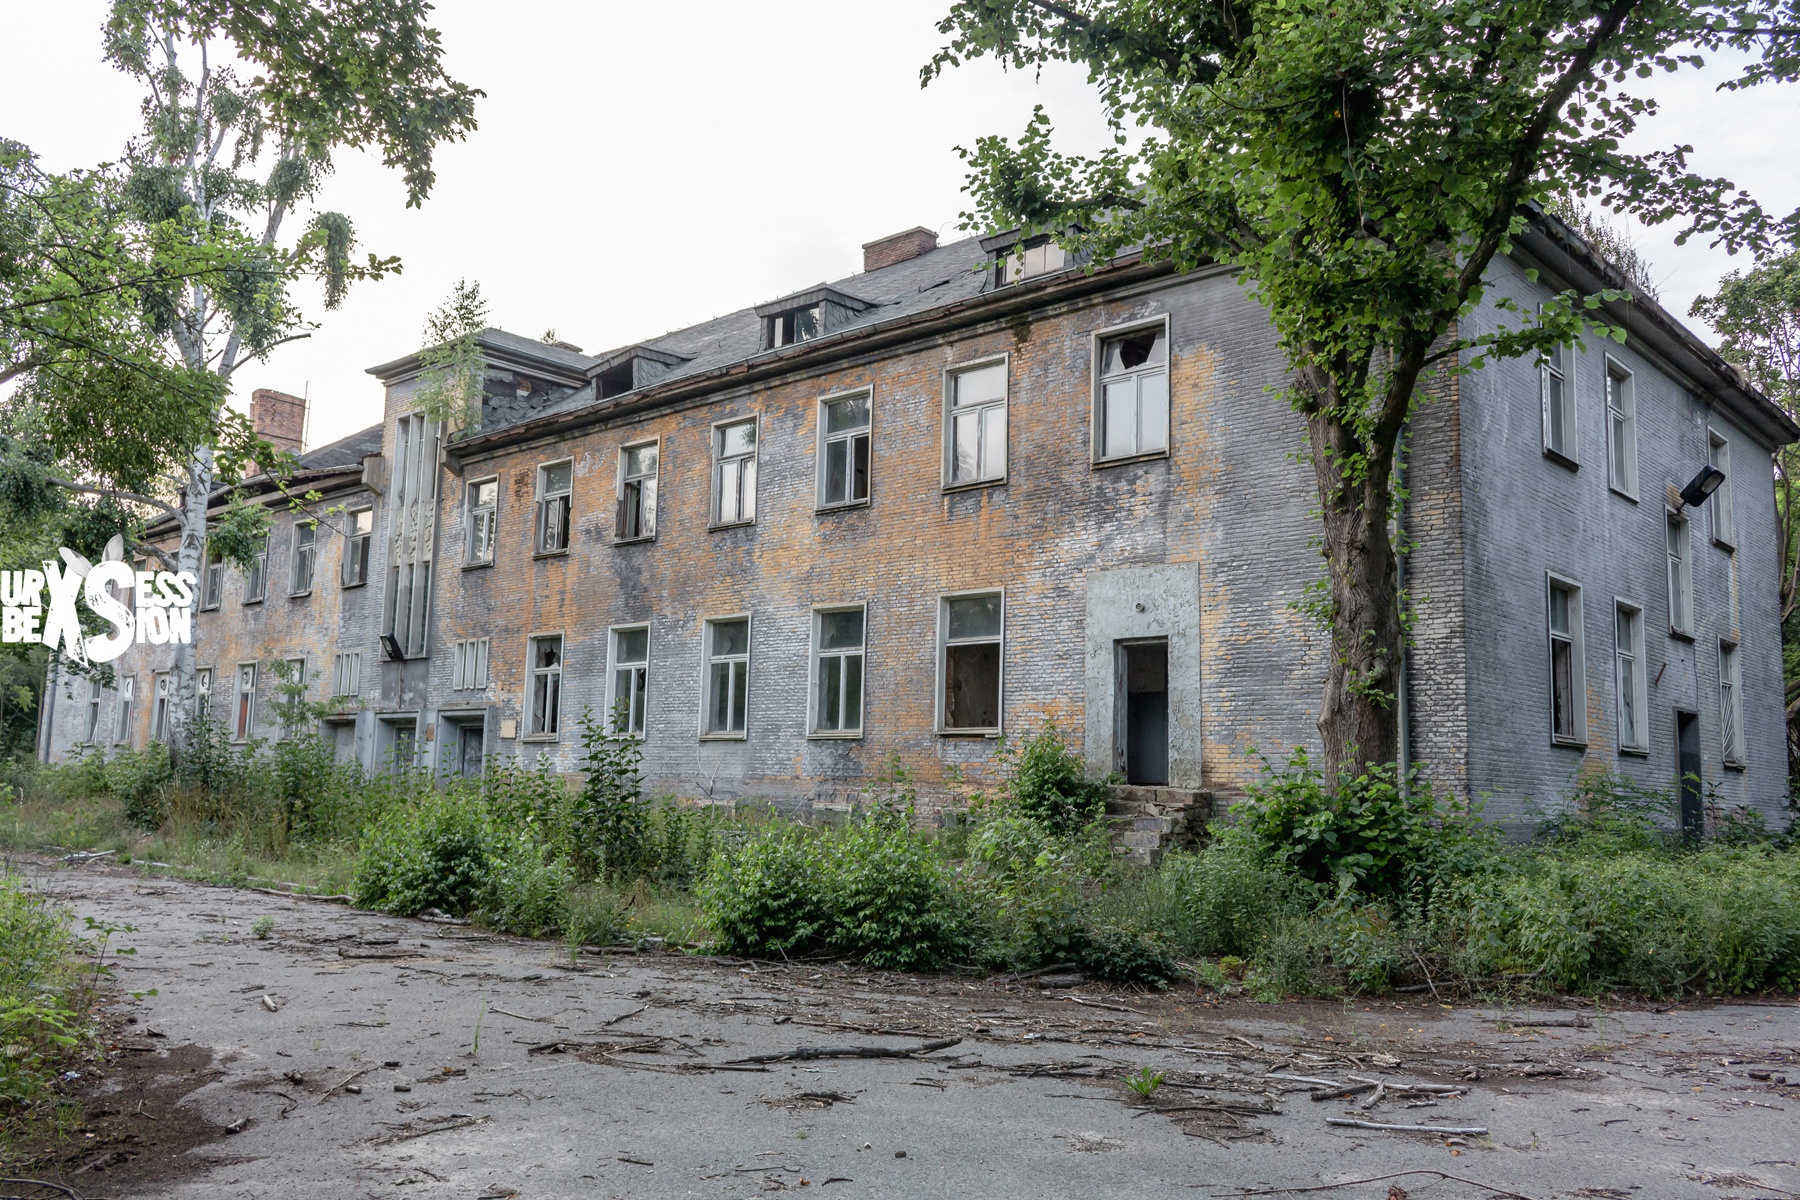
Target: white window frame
<point>346,674</point>
<point>816,657</point>
<point>481,523</point>
<point>95,692</point>
<point>1097,412</point>
<point>943,658</point>
<point>469,665</point>
<point>203,681</point>
<point>646,529</point>
<point>776,331</point>
<point>849,437</point>
<point>555,676</point>
<point>290,707</point>
<point>305,552</point>
<point>540,528</point>
<point>256,579</point>
<point>708,659</point>
<point>638,720</point>
<point>1630,656</point>
<point>1721,516</point>
<point>412,534</point>
<point>1556,366</point>
<point>212,581</point>
<point>243,702</point>
<point>1621,428</point>
<point>720,460</point>
<point>1680,575</point>
<point>356,547</point>
<point>162,683</point>
<point>1578,660</point>
<point>1029,258</point>
<point>123,705</point>
<point>1004,404</point>
<point>1731,703</point>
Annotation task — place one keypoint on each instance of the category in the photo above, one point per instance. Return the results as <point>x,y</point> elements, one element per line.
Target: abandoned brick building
<point>979,487</point>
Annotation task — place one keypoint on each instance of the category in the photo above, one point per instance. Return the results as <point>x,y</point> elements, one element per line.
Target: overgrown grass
<point>45,997</point>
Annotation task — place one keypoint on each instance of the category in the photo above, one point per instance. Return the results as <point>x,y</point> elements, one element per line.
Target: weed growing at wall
<point>44,998</point>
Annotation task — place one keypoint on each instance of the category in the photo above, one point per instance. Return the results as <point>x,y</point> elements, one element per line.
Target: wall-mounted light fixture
<point>1701,486</point>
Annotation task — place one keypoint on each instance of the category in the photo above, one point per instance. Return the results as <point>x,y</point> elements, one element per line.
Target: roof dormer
<point>806,315</point>
<point>631,368</point>
<point>1014,259</point>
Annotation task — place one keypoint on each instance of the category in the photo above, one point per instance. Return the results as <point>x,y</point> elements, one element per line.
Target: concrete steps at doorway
<point>1147,822</point>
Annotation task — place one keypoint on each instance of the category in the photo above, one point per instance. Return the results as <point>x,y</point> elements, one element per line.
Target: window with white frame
<point>1731,705</point>
<point>975,434</point>
<point>794,325</point>
<point>734,472</point>
<point>1621,429</point>
<point>628,680</point>
<point>95,691</point>
<point>212,585</point>
<point>256,579</point>
<point>346,673</point>
<point>160,688</point>
<point>469,665</point>
<point>545,685</point>
<point>291,686</point>
<point>1027,259</point>
<point>1681,576</point>
<point>1568,676</point>
<point>359,529</point>
<point>1133,405</point>
<point>1557,391</point>
<point>844,448</point>
<point>122,709</point>
<point>243,716</point>
<point>555,487</point>
<point>638,468</point>
<point>481,508</point>
<point>727,677</point>
<point>837,671</point>
<point>203,680</point>
<point>412,533</point>
<point>970,647</point>
<point>1629,682</point>
<point>300,571</point>
<point>1718,505</point>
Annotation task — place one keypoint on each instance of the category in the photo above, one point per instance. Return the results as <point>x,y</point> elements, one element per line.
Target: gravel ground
<point>339,1057</point>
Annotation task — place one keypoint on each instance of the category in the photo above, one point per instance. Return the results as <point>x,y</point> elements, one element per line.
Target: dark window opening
<point>1687,772</point>
<point>1142,713</point>
<point>616,381</point>
<point>972,686</point>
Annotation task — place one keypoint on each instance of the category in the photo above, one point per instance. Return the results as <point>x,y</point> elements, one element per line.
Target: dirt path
<point>614,1078</point>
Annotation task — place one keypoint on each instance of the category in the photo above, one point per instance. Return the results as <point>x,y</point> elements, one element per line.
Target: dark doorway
<point>1687,773</point>
<point>1141,720</point>
<point>468,750</point>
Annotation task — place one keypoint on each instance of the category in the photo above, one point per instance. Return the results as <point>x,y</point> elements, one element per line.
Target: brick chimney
<point>278,418</point>
<point>898,248</point>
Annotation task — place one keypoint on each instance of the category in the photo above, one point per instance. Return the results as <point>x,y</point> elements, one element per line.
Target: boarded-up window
<point>413,533</point>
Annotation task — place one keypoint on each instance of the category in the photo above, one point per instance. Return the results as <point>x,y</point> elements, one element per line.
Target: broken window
<point>638,467</point>
<point>1568,708</point>
<point>556,482</point>
<point>203,694</point>
<point>838,671</point>
<point>346,673</point>
<point>482,510</point>
<point>844,450</point>
<point>734,473</point>
<point>1731,713</point>
<point>243,721</point>
<point>727,676</point>
<point>1681,577</point>
<point>122,709</point>
<point>628,682</point>
<point>359,528</point>
<point>1718,505</point>
<point>546,686</point>
<point>1037,256</point>
<point>412,533</point>
<point>93,711</point>
<point>159,707</point>
<point>306,538</point>
<point>1557,393</point>
<point>1621,430</point>
<point>1628,649</point>
<point>212,587</point>
<point>1134,393</point>
<point>469,665</point>
<point>969,663</point>
<point>256,578</point>
<point>794,325</point>
<point>977,433</point>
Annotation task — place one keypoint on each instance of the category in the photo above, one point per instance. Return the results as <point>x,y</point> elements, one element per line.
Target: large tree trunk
<point>1359,715</point>
<point>190,556</point>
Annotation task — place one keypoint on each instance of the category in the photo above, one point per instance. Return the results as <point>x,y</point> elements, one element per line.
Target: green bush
<point>890,900</point>
<point>611,827</point>
<point>767,898</point>
<point>1047,782</point>
<point>1125,952</point>
<point>528,892</point>
<point>437,852</point>
<point>43,996</point>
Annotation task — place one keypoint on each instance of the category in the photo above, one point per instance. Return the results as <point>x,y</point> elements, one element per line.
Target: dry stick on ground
<point>45,1183</point>
<point>1109,1007</point>
<point>347,1081</point>
<point>806,1053</point>
<point>521,1016</point>
<point>1469,1130</point>
<point>615,1020</point>
<point>1328,1187</point>
<point>407,1137</point>
<point>1354,1089</point>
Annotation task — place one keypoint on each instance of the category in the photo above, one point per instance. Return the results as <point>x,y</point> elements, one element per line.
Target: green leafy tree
<point>1757,316</point>
<point>1360,162</point>
<point>245,105</point>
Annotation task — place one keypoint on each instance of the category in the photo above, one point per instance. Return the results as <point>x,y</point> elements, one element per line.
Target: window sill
<point>300,595</point>
<point>725,737</point>
<point>1726,546</point>
<point>841,506</point>
<point>990,734</point>
<point>476,566</point>
<point>1126,460</point>
<point>1735,764</point>
<point>563,553</point>
<point>1569,743</point>
<point>1681,635</point>
<point>348,586</point>
<point>1563,460</point>
<point>541,738</point>
<point>827,735</point>
<point>1634,751</point>
<point>720,526</point>
<point>634,541</point>
<point>1616,490</point>
<point>248,603</point>
<point>971,485</point>
<point>209,608</point>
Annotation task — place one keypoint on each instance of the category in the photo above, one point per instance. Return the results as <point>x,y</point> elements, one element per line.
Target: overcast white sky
<point>640,167</point>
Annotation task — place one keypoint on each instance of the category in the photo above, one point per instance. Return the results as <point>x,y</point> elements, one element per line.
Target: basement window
<point>970,644</point>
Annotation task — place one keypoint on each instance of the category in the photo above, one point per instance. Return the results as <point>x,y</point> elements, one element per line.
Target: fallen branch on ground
<point>1465,1130</point>
<point>1327,1187</point>
<point>807,1053</point>
<point>346,1082</point>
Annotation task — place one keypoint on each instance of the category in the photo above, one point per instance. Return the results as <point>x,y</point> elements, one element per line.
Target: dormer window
<point>794,325</point>
<point>1015,259</point>
<point>632,368</point>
